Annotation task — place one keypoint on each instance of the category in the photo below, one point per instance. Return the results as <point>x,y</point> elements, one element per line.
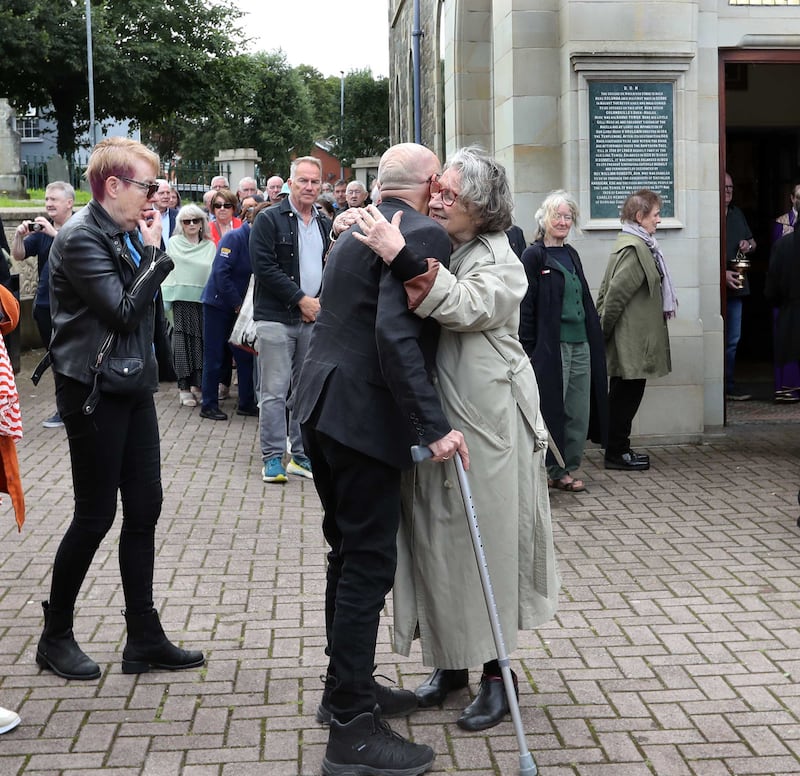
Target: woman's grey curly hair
<point>484,186</point>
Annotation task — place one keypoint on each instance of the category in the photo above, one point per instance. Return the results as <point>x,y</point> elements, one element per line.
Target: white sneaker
<point>8,720</point>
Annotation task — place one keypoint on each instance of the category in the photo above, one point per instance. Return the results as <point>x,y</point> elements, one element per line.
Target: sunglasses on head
<point>192,220</point>
<point>226,205</point>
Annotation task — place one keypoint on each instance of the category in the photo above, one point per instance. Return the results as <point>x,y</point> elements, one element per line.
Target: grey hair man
<point>288,243</point>
<point>219,182</point>
<point>356,194</point>
<point>274,186</point>
<point>169,215</point>
<point>247,188</point>
<point>34,238</point>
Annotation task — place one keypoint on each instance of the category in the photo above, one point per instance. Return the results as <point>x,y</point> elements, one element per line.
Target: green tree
<point>268,108</point>
<point>324,95</point>
<point>366,117</point>
<point>152,61</point>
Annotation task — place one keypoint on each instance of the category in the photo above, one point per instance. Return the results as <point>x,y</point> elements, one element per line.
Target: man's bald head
<point>405,172</point>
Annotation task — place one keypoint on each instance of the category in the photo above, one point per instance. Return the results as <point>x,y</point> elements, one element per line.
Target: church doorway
<point>760,149</point>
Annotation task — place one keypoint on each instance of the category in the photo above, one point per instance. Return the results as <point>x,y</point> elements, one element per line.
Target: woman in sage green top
<point>193,251</point>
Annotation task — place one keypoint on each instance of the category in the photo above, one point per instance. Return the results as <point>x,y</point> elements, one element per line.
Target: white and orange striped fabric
<point>10,415</point>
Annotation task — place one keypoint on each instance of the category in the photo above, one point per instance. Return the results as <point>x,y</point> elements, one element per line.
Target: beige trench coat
<point>488,391</point>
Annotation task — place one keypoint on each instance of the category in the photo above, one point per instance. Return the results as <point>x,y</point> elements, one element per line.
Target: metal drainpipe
<point>416,34</point>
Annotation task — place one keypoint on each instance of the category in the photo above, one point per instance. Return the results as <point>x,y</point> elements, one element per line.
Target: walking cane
<point>527,767</point>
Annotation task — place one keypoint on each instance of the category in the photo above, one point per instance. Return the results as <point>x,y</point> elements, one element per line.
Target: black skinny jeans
<point>116,449</point>
<point>361,500</point>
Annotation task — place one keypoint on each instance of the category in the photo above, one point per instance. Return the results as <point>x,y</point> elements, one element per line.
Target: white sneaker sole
<point>299,471</point>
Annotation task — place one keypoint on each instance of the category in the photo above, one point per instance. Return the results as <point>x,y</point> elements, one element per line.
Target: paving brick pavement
<point>674,652</point>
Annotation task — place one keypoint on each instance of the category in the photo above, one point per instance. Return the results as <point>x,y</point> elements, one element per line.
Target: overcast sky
<point>330,35</point>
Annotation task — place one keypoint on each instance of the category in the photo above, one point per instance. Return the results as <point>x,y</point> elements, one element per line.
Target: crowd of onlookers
<point>528,366</point>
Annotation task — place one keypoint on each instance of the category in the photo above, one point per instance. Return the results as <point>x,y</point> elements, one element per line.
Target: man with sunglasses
<point>288,242</point>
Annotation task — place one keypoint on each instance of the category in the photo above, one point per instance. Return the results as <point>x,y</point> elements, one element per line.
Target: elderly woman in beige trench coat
<point>488,390</point>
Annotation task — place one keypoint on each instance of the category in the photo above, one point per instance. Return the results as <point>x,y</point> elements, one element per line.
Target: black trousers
<point>624,398</point>
<point>114,450</point>
<point>361,500</point>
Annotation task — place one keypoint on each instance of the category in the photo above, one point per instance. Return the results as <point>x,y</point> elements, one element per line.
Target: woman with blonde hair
<point>192,250</point>
<point>560,331</point>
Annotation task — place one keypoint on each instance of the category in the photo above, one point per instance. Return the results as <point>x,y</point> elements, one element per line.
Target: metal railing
<point>192,179</point>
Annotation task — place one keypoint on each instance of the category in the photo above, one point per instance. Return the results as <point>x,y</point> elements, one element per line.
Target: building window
<point>28,128</point>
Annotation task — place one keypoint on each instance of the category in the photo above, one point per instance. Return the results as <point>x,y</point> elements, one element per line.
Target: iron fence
<point>192,179</point>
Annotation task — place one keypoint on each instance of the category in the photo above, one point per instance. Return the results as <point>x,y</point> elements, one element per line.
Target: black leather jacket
<point>95,287</point>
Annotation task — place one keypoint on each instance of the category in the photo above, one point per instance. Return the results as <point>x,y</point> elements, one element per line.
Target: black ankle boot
<point>439,684</point>
<point>58,650</point>
<point>490,704</point>
<point>393,701</point>
<point>148,647</point>
<point>365,744</point>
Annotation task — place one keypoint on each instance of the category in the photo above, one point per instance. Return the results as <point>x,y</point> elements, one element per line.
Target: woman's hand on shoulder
<point>378,234</point>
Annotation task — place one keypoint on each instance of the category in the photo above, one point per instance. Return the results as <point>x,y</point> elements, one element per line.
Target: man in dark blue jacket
<point>288,242</point>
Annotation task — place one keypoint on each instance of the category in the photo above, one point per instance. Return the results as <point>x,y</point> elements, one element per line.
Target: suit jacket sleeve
<point>405,342</point>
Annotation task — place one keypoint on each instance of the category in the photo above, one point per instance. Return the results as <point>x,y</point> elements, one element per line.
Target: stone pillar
<point>365,170</point>
<point>12,182</point>
<point>237,163</point>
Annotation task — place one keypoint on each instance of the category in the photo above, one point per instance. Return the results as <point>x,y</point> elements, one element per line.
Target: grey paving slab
<point>675,651</point>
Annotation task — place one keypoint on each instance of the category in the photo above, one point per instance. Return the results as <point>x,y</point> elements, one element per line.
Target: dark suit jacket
<point>168,231</point>
<point>366,380</point>
<point>782,289</point>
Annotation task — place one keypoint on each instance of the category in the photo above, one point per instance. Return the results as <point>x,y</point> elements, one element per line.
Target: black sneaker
<point>393,702</point>
<point>367,746</point>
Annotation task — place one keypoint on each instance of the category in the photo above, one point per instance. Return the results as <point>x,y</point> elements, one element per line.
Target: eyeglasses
<point>226,205</point>
<point>151,188</point>
<point>192,221</point>
<point>729,188</point>
<point>562,217</point>
<point>448,196</point>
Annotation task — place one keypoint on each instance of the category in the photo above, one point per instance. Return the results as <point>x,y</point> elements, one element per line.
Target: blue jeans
<point>281,350</point>
<point>733,331</point>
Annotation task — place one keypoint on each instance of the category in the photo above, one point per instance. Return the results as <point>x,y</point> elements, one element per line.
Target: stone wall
<point>513,76</point>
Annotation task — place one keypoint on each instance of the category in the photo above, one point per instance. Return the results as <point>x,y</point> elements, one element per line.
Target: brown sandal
<point>573,486</point>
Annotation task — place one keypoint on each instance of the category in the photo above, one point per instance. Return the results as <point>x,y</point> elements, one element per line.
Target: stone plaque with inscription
<point>631,144</point>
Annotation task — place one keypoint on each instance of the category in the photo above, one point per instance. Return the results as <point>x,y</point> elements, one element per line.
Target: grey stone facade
<point>514,76</point>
